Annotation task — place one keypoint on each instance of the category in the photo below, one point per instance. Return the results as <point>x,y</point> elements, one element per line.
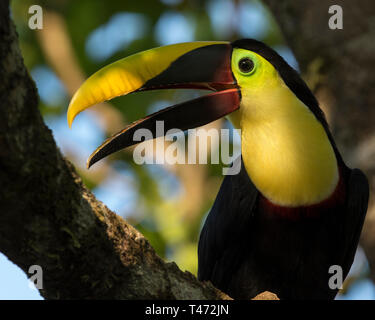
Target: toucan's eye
<point>246,65</point>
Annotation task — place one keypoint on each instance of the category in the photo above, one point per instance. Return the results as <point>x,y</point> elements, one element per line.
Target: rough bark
<point>339,65</point>
<point>48,218</point>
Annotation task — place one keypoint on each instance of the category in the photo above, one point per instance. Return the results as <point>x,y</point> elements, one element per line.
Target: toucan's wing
<point>356,207</point>
<point>221,242</point>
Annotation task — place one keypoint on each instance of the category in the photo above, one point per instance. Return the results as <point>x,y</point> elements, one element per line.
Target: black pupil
<point>246,65</point>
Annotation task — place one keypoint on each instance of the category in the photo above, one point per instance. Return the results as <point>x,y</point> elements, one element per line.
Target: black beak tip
<point>91,160</point>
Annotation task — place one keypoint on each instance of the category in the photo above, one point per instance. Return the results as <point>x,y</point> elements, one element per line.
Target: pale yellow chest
<point>286,151</point>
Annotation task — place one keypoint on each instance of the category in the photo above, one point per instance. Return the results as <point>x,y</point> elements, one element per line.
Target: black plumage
<point>248,245</point>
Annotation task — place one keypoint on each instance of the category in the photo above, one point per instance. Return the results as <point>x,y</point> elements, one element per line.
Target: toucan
<point>289,222</point>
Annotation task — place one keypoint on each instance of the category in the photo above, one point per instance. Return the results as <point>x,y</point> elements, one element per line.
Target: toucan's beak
<point>198,65</point>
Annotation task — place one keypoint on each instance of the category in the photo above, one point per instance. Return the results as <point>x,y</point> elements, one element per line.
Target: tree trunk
<point>339,65</point>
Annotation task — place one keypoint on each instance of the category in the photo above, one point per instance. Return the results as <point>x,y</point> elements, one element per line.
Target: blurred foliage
<point>158,194</point>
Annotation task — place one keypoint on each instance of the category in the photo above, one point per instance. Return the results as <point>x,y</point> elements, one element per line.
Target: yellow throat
<point>285,149</point>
